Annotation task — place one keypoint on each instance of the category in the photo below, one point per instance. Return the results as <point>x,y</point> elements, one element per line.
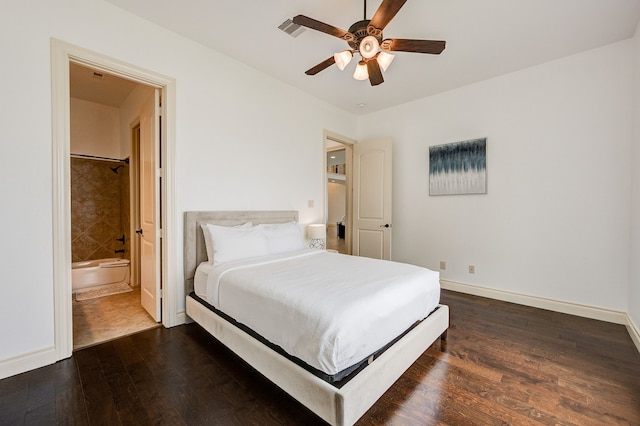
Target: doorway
<point>105,205</point>
<point>63,54</point>
<point>368,175</point>
<point>336,199</point>
<point>338,191</point>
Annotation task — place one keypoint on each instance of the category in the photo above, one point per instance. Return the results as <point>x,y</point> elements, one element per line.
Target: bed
<point>333,364</point>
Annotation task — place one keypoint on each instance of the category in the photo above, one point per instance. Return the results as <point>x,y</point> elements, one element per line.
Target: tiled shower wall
<point>99,209</point>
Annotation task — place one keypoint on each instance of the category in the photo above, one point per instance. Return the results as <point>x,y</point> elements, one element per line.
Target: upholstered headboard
<point>194,248</point>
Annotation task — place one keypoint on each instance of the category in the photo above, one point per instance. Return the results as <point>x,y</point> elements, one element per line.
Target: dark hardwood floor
<point>502,364</point>
<point>333,242</point>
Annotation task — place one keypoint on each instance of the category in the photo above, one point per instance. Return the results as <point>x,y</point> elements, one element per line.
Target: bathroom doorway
<point>105,187</point>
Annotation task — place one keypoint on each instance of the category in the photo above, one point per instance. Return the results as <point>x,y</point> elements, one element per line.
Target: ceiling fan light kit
<point>343,58</point>
<point>365,37</point>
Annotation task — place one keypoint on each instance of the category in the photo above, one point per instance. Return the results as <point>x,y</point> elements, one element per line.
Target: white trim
<point>170,314</point>
<point>592,312</point>
<point>60,149</point>
<point>25,362</point>
<point>634,331</point>
<point>61,54</point>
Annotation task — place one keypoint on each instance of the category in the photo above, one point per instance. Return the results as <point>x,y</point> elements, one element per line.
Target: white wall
<point>555,220</point>
<point>95,129</point>
<point>105,131</point>
<point>130,115</point>
<point>233,125</point>
<point>634,258</point>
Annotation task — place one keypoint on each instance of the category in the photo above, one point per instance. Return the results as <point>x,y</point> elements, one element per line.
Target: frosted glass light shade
<point>361,71</point>
<point>343,58</point>
<point>384,60</point>
<point>369,47</point>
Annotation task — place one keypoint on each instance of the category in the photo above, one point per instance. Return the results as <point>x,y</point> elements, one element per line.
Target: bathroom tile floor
<point>109,317</point>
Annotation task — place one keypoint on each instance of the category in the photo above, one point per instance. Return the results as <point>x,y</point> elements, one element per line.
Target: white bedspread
<point>329,310</point>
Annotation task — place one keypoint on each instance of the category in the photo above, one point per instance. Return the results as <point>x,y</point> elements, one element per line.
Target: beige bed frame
<point>342,406</point>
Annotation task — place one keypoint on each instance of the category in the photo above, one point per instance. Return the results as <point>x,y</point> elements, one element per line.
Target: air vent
<point>294,30</point>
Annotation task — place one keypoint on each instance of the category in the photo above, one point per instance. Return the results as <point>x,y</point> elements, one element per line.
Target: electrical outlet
<point>472,269</point>
<point>310,204</point>
<point>443,265</point>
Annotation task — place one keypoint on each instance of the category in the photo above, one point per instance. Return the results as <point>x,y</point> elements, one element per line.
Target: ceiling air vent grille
<point>294,30</point>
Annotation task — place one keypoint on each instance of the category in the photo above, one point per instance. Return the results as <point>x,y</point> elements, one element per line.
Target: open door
<point>150,282</point>
<point>372,199</point>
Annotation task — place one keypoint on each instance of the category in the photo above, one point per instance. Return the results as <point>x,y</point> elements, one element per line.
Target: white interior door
<point>150,277</point>
<point>372,169</point>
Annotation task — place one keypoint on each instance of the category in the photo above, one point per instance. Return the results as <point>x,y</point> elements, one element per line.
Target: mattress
<point>329,310</point>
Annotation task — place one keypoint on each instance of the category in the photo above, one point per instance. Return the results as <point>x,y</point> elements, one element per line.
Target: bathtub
<point>94,273</point>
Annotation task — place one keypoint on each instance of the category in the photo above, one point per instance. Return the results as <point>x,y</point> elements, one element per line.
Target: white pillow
<point>231,244</point>
<point>208,242</point>
<point>283,237</point>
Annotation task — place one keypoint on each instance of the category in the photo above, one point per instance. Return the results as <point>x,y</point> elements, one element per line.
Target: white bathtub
<point>94,273</point>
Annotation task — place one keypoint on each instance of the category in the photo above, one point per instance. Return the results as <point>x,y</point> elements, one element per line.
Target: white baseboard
<point>30,361</point>
<point>586,311</point>
<point>634,332</point>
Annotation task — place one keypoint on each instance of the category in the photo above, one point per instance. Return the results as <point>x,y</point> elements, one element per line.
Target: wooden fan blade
<point>386,12</point>
<point>375,74</point>
<point>321,66</point>
<point>434,47</point>
<point>305,21</point>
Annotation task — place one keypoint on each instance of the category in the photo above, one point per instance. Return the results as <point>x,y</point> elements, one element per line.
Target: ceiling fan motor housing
<point>360,30</point>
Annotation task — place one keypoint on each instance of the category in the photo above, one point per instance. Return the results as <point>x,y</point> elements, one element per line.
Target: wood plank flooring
<point>502,364</point>
<point>333,242</point>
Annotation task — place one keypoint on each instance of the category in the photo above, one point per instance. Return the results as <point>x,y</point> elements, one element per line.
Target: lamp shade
<point>361,71</point>
<point>343,58</point>
<point>317,231</point>
<point>317,234</point>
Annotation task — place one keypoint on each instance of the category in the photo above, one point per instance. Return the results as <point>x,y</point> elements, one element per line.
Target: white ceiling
<point>97,86</point>
<point>485,38</point>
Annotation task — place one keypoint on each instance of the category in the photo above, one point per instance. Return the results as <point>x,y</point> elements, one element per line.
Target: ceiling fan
<point>365,37</point>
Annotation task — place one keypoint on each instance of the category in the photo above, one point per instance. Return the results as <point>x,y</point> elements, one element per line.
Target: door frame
<point>134,191</point>
<point>348,143</point>
<point>62,54</point>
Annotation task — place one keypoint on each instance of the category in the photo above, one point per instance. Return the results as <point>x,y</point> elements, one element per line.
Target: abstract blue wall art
<point>458,168</point>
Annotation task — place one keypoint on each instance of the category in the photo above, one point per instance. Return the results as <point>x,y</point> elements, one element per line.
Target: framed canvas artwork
<point>458,168</point>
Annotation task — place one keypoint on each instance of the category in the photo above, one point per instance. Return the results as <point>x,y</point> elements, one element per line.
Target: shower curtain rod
<point>93,157</point>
